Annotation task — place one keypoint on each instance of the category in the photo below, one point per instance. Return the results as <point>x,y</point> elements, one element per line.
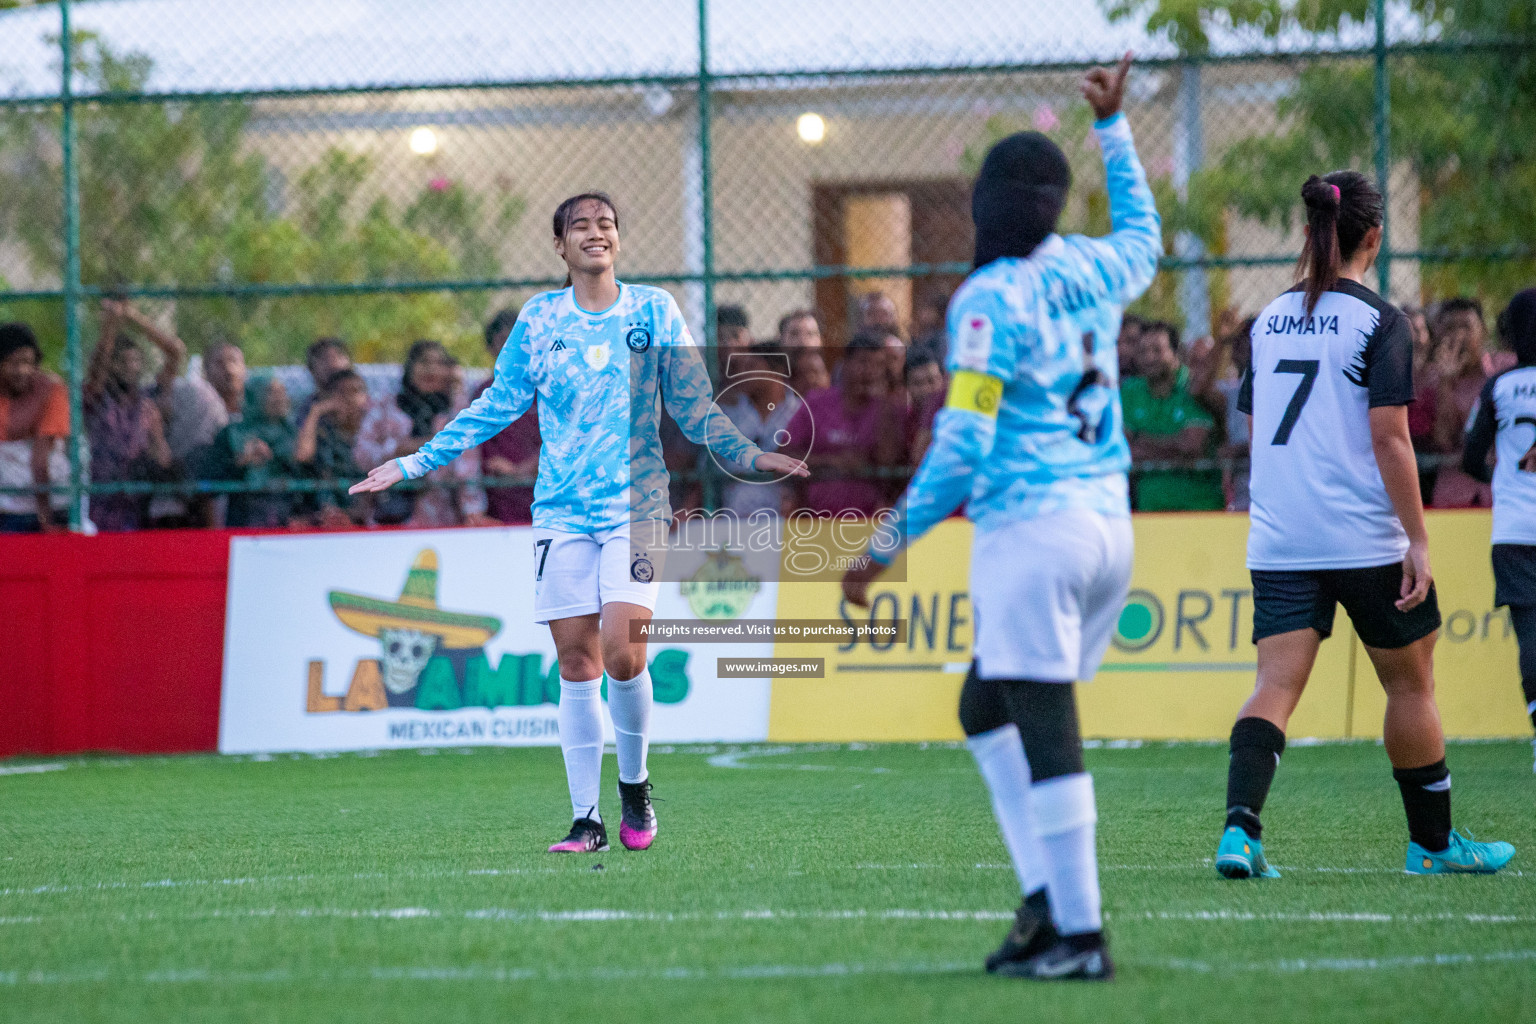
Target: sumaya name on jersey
<point>1302,325</point>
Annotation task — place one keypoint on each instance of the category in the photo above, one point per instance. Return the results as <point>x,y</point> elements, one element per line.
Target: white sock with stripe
<point>1064,815</point>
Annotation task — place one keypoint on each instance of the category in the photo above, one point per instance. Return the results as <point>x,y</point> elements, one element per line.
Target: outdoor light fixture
<point>423,142</point>
<point>812,128</point>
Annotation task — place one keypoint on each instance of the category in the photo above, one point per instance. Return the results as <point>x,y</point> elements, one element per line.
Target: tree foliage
<point>1087,209</point>
<point>177,194</point>
<point>1463,124</point>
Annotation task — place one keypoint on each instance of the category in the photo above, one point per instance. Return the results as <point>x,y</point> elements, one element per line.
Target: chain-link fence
<point>383,171</point>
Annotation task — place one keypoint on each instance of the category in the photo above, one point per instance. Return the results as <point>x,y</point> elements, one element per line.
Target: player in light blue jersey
<point>1031,440</point>
<point>601,355</point>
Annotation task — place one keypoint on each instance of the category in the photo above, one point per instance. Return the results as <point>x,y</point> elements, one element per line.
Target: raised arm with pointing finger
<point>1033,419</point>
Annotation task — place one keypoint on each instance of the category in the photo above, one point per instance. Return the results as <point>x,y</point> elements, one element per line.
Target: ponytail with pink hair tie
<point>1337,195</point>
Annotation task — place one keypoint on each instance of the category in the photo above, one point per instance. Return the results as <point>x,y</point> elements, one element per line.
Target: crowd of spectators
<point>1180,406</point>
<point>861,414</point>
<point>151,419</point>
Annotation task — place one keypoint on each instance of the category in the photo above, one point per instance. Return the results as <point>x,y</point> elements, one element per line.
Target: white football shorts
<point>577,573</point>
<point>1048,594</point>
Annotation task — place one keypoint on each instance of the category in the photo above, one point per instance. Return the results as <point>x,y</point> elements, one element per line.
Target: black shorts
<point>1284,601</point>
<point>1514,574</point>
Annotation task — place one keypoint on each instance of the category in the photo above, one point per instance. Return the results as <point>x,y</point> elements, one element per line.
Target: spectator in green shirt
<point>1165,422</point>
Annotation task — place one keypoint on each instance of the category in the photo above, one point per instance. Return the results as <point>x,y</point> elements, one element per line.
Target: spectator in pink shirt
<point>846,432</point>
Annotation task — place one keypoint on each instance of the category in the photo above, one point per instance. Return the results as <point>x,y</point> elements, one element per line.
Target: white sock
<point>1064,817</point>
<point>581,741</point>
<point>999,754</point>
<point>629,705</point>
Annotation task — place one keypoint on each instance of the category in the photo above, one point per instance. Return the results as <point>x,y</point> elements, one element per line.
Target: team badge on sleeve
<point>973,343</point>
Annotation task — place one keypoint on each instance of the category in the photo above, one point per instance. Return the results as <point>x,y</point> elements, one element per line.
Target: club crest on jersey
<point>638,339</point>
<point>973,343</point>
<point>597,356</point>
<point>641,570</point>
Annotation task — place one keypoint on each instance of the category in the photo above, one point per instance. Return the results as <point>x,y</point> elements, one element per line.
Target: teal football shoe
<point>1240,856</point>
<point>1463,857</point>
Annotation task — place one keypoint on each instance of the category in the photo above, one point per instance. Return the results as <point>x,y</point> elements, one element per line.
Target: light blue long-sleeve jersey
<point>600,379</point>
<point>1045,325</point>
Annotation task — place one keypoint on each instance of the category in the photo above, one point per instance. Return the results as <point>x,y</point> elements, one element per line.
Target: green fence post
<point>711,482</point>
<point>73,357</point>
<point>1383,152</point>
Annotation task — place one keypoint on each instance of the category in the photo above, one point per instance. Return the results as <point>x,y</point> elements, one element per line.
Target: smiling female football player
<point>600,354</point>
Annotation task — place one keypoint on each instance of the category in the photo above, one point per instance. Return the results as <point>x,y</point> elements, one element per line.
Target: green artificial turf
<point>787,883</point>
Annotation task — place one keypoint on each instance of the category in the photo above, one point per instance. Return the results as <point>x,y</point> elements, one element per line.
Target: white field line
<point>608,915</point>
<point>1202,865</point>
<point>687,749</point>
<point>524,916</point>
<point>748,758</point>
<point>481,974</point>
<point>738,759</point>
<point>31,769</point>
<point>53,888</point>
<point>1300,965</point>
<point>1319,917</point>
<point>749,972</point>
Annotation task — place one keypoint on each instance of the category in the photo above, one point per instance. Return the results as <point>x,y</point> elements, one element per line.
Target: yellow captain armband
<point>975,392</point>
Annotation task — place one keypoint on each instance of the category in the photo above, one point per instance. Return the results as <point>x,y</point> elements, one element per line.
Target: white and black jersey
<point>1504,419</point>
<point>1318,501</point>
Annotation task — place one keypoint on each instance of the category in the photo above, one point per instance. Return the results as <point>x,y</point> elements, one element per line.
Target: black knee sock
<point>1427,802</point>
<point>982,706</point>
<point>1523,617</point>
<point>1256,748</point>
<point>1046,716</point>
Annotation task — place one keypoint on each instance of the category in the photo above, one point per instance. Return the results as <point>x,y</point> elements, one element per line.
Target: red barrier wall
<point>114,642</point>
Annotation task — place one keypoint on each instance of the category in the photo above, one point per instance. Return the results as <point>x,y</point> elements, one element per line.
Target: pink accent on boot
<point>569,846</point>
<point>634,838</point>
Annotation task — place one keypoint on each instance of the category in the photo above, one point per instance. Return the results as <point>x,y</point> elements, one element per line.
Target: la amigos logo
<point>434,659</point>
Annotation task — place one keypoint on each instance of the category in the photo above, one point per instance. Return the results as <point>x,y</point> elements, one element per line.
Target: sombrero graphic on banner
<point>412,628</point>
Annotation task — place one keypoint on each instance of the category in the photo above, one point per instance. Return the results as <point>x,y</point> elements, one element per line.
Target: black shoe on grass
<point>1065,961</point>
<point>1031,935</point>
